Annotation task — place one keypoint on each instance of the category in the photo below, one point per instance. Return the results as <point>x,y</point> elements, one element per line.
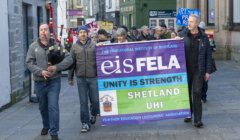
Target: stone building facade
<point>24,18</point>
<point>112,11</point>
<point>137,12</point>
<point>84,11</point>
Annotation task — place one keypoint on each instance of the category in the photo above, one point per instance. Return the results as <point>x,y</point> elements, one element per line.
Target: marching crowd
<point>82,59</point>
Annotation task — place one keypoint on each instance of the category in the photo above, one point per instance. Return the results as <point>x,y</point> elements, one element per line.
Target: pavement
<point>221,116</point>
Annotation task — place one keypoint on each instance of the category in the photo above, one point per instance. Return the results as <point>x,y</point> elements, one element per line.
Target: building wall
<point>114,17</point>
<point>101,11</point>
<point>62,14</point>
<point>90,8</point>
<point>115,6</point>
<point>223,37</point>
<point>128,11</point>
<point>5,87</point>
<point>72,21</point>
<point>139,10</point>
<point>23,30</point>
<point>143,7</point>
<point>112,12</point>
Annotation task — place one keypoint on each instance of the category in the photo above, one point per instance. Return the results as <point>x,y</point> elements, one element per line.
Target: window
<point>125,1</point>
<point>125,20</point>
<point>171,23</point>
<point>79,2</point>
<point>110,4</point>
<point>132,21</point>
<point>236,11</point>
<point>234,17</point>
<point>211,12</point>
<point>161,21</point>
<point>153,23</point>
<point>39,16</point>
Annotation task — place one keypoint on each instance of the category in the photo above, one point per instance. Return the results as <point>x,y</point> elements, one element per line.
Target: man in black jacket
<point>198,55</point>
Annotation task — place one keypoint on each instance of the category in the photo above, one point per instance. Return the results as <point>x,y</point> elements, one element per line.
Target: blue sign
<point>183,14</point>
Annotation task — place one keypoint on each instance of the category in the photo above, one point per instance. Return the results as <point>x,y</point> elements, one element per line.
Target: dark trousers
<point>195,83</point>
<point>204,90</point>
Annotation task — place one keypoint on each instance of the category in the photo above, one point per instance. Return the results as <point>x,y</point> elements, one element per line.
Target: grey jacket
<point>37,61</point>
<point>84,60</point>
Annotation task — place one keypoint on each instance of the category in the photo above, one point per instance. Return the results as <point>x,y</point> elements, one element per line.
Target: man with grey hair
<point>158,33</point>
<point>198,55</point>
<point>145,35</point>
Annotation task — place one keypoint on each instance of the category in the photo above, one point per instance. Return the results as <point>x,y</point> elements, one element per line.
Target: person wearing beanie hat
<point>82,27</point>
<point>85,70</point>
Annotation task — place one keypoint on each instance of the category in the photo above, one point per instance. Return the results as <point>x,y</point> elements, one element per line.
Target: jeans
<point>195,82</point>
<point>48,96</point>
<point>88,90</point>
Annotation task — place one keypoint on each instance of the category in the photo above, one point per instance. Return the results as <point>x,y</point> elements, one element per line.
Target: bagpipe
<point>69,40</point>
<point>56,51</point>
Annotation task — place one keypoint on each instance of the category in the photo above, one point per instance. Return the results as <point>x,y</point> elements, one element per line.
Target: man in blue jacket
<point>198,55</point>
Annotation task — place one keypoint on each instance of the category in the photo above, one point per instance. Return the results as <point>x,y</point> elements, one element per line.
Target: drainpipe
<point>228,32</point>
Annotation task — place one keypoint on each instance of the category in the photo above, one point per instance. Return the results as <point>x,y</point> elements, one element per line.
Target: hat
<point>82,27</point>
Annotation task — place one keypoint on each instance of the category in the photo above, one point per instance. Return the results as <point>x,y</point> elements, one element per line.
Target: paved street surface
<point>221,116</point>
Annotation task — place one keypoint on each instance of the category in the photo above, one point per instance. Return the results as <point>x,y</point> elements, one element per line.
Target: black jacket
<point>204,52</point>
<point>143,37</point>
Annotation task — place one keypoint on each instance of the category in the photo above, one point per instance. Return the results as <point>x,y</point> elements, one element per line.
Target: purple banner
<point>141,58</point>
<point>142,81</point>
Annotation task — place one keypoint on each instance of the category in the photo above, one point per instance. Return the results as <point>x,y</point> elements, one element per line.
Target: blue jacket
<point>204,52</point>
